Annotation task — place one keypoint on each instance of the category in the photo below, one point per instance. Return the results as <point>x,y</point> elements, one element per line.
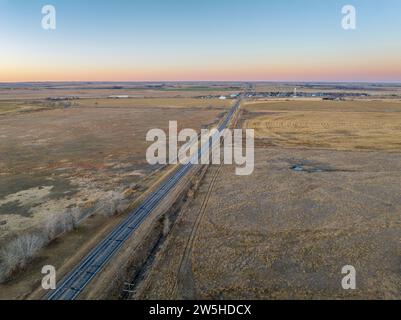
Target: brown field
<point>324,194</point>
<point>377,90</point>
<point>314,204</point>
<point>24,91</point>
<point>349,125</point>
<point>283,234</point>
<point>13,106</point>
<point>154,102</point>
<point>61,158</point>
<point>86,162</point>
<point>21,106</point>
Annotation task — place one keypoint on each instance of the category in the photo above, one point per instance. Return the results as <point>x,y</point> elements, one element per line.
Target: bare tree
<point>18,253</point>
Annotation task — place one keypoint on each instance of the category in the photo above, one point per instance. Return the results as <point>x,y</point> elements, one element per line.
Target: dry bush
<point>110,204</point>
<point>18,253</point>
<point>58,224</point>
<point>21,250</point>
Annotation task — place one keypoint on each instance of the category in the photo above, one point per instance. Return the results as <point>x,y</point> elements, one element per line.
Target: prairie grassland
<point>7,107</point>
<point>372,89</point>
<point>321,105</point>
<point>59,158</point>
<point>20,106</point>
<point>63,165</point>
<point>287,230</point>
<point>155,103</point>
<point>98,90</point>
<point>349,125</point>
<point>285,234</point>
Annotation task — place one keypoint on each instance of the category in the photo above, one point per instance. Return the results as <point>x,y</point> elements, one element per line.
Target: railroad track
<point>76,281</point>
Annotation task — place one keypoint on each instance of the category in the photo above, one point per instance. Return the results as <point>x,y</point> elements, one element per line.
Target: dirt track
<point>283,234</point>
<point>185,286</point>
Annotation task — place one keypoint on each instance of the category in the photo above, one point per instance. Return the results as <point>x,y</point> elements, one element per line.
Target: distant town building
<point>63,98</point>
<point>118,97</point>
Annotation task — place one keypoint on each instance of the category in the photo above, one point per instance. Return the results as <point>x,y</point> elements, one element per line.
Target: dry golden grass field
<point>325,193</point>
<point>286,234</point>
<point>12,106</point>
<point>84,161</point>
<point>57,158</point>
<point>154,102</point>
<point>342,125</point>
<point>377,90</point>
<point>24,91</point>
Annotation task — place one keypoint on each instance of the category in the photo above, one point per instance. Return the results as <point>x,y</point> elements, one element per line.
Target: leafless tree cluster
<point>16,254</point>
<point>22,249</point>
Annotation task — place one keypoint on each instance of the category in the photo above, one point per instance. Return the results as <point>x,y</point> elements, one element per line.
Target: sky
<point>200,40</point>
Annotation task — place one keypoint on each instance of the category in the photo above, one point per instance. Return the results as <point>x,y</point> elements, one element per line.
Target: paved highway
<point>76,281</point>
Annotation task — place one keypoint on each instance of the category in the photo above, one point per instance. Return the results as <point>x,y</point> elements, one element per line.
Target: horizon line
<point>204,81</point>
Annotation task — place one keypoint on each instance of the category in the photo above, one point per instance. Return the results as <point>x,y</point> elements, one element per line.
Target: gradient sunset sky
<point>179,40</point>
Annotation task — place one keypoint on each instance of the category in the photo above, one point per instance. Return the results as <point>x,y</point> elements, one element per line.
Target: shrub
<point>109,204</point>
<point>58,224</point>
<point>22,249</point>
<point>18,253</point>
